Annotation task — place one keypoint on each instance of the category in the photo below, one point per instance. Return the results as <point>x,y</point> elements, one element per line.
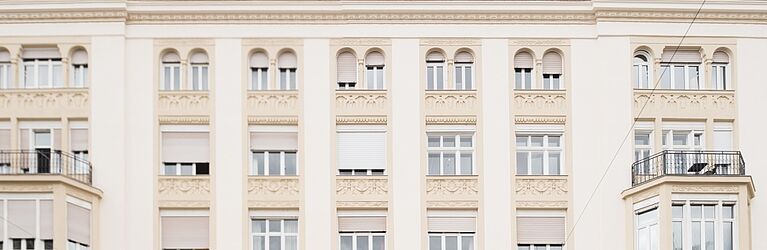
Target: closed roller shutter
<point>552,63</point>
<point>259,60</point>
<point>720,57</point>
<point>46,219</point>
<point>681,56</point>
<point>375,59</point>
<point>80,57</point>
<point>273,141</point>
<point>287,60</point>
<point>40,53</point>
<point>78,223</point>
<point>440,224</point>
<point>21,219</point>
<point>464,57</point>
<point>185,147</point>
<point>361,150</point>
<point>362,223</point>
<point>5,139</point>
<point>523,60</point>
<point>346,67</point>
<point>185,232</point>
<point>540,230</point>
<point>79,138</point>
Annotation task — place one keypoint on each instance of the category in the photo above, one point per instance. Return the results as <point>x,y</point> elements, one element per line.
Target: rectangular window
<point>539,247</point>
<point>719,76</point>
<point>274,152</point>
<point>361,150</point>
<point>641,76</point>
<point>274,234</point>
<point>540,227</point>
<point>287,79</point>
<point>259,78</point>
<point>362,229</point>
<point>450,154</point>
<point>642,144</point>
<point>523,78</point>
<point>362,241</point>
<point>710,225</point>
<point>171,76</point>
<point>374,76</point>
<point>5,75</point>
<point>71,245</point>
<point>186,152</point>
<point>680,76</point>
<point>677,235</point>
<point>451,229</point>
<point>274,163</point>
<point>435,76</point>
<point>184,229</point>
<point>43,73</point>
<point>551,81</point>
<point>647,230</point>
<point>79,75</point>
<point>451,241</point>
<point>199,77</point>
<point>539,154</point>
<point>464,76</point>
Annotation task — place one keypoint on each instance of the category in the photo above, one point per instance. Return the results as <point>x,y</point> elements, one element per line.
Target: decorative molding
<point>183,204</point>
<point>451,102</point>
<point>273,187</point>
<point>13,188</point>
<point>452,204</point>
<point>360,42</point>
<point>273,120</point>
<point>272,103</point>
<point>541,186</point>
<point>540,102</point>
<point>705,188</point>
<point>361,102</point>
<point>643,195</point>
<point>183,186</point>
<point>540,119</point>
<point>262,42</point>
<point>44,102</point>
<point>50,16</point>
<point>451,120</point>
<point>541,204</point>
<point>539,42</point>
<point>273,204</point>
<point>193,103</point>
<point>451,42</point>
<point>681,16</point>
<point>362,204</point>
<point>372,120</point>
<point>685,103</point>
<point>170,120</point>
<point>452,187</point>
<point>361,186</point>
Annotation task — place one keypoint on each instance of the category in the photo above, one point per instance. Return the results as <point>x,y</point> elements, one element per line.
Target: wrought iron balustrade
<point>687,163</point>
<point>45,162</point>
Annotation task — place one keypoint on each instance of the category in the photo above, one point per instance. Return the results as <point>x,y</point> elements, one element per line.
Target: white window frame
<point>433,65</point>
<point>637,72</point>
<point>718,203</point>
<point>545,149</point>
<point>199,83</point>
<point>36,63</point>
<point>267,234</point>
<point>460,236</point>
<point>457,151</point>
<point>354,236</point>
<point>174,84</point>
<point>254,170</point>
<point>54,166</point>
<point>464,67</point>
<point>259,78</point>
<point>647,226</point>
<point>668,143</point>
<point>548,81</point>
<point>669,69</point>
<point>289,79</point>
<point>4,198</point>
<point>372,83</point>
<point>524,73</point>
<point>639,149</point>
<point>177,166</point>
<point>71,245</point>
<point>79,72</point>
<point>547,246</point>
<point>364,172</point>
<point>5,75</point>
<point>720,76</point>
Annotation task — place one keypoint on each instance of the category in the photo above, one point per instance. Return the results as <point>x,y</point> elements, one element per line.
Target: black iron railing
<point>45,162</point>
<point>687,163</point>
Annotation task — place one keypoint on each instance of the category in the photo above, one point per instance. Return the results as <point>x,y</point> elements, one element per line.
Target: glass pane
<point>440,77</point>
<point>204,78</point>
<point>692,72</point>
<point>29,77</point>
<point>451,242</point>
<point>435,243</point>
<point>430,77</point>
<point>522,140</point>
<point>195,78</point>
<point>291,243</point>
<point>546,81</point>
<point>679,77</point>
<point>555,82</point>
<point>554,141</point>
<point>448,161</point>
<point>677,212</point>
<point>371,78</point>
<point>466,141</point>
<point>676,236</point>
<point>642,139</point>
<point>254,79</point>
<point>275,225</point>
<point>696,211</point>
<point>275,243</point>
<point>259,226</point>
<point>434,163</point>
<point>290,163</point>
<point>169,169</point>
<point>259,162</point>
<point>264,79</point>
<point>42,139</point>
<point>554,163</point>
<point>466,164</point>
<point>714,77</point>
<point>680,139</point>
<point>522,163</point>
<point>723,79</point>
<point>555,247</point>
<point>727,237</point>
<point>458,77</point>
<point>346,243</point>
<point>448,141</point>
<point>293,79</point>
<point>647,217</point>
<point>379,242</point>
<point>176,78</point>
<point>468,84</point>
<point>42,75</point>
<point>654,237</point>
<point>434,141</point>
<point>644,76</point>
<point>665,77</point>
<point>467,243</point>
<point>259,243</point>
<point>166,78</point>
<point>540,247</point>
<point>274,163</point>
<point>362,242</point>
<point>537,163</point>
<point>696,236</point>
<point>283,79</point>
<point>528,79</point>
<point>187,169</point>
<point>536,141</point>
<point>727,212</point>
<point>58,76</point>
<point>708,212</point>
<point>710,235</point>
<point>517,79</point>
<point>379,79</point>
<point>291,226</point>
<point>523,247</point>
<point>643,241</point>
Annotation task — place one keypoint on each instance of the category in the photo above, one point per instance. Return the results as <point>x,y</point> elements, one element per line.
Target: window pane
<point>696,236</point>
<point>710,235</point>
<point>554,163</point>
<point>727,231</point>
<point>677,235</point>
<point>714,77</point>
<point>371,78</point>
<point>283,79</point>
<point>522,141</point>
<point>448,141</point>
<point>448,161</point>
<point>680,139</point>
<point>467,243</point>
<point>29,77</point>
<point>727,212</point>
<point>708,212</point>
<point>57,76</point>
<point>275,243</point>
<point>643,241</point>
<point>540,247</point>
<point>362,242</point>
<point>186,169</point>
<point>435,243</point>
<point>679,77</point>
<point>553,141</point>
<point>555,247</point>
<point>458,77</point>
<point>518,78</point>
<point>42,75</point>
<point>677,212</point>
<point>169,169</point>
<point>696,211</point>
<point>440,77</point>
<point>205,78</point>
<point>430,77</point>
<point>522,163</point>
<point>42,139</point>
<point>291,226</point>
<point>523,248</point>
<point>290,163</point>
<point>346,243</point>
<point>468,84</point>
<point>528,79</point>
<point>537,163</point>
<point>275,225</point>
<point>274,163</point>
<point>451,242</point>
<point>434,163</point>
<point>692,72</point>
<point>176,78</point>
<point>259,161</point>
<point>259,243</point>
<point>259,226</point>
<point>379,242</point>
<point>293,79</point>
<point>466,141</point>
<point>537,141</point>
<point>166,77</point>
<point>291,243</point>
<point>434,141</point>
<point>466,164</point>
<point>642,139</point>
<point>644,76</point>
<point>195,78</point>
<point>379,78</point>
<point>555,81</point>
<point>665,77</point>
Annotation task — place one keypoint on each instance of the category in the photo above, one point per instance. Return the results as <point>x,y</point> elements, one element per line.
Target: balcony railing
<point>45,162</point>
<point>687,163</point>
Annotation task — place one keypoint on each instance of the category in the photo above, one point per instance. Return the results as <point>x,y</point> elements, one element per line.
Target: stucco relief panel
<point>541,190</point>
<point>273,192</point>
<point>183,191</point>
<point>44,102</point>
<point>183,103</point>
<point>540,102</point>
<point>720,104</point>
<point>361,102</point>
<point>274,103</point>
<point>451,103</point>
<point>451,191</point>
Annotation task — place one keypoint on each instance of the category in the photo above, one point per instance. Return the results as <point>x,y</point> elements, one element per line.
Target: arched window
<point>720,70</point>
<point>435,71</point>
<point>5,69</point>
<point>287,65</point>
<point>641,70</point>
<point>42,68</point>
<point>552,70</point>
<point>170,73</point>
<point>464,71</point>
<point>79,69</point>
<point>199,70</point>
<point>523,67</point>
<point>374,70</point>
<point>680,68</point>
<point>346,70</point>
<point>259,71</point>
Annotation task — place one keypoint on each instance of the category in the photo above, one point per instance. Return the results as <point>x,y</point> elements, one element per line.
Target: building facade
<point>373,125</point>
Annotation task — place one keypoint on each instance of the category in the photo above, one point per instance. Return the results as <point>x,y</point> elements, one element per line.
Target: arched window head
<point>435,71</point>
<point>523,68</point>
<point>464,71</point>
<point>287,64</point>
<point>720,70</point>
<point>346,70</point>
<point>259,71</point>
<point>435,56</point>
<point>5,69</point>
<point>171,57</point>
<point>170,73</point>
<point>552,71</point>
<point>374,70</point>
<point>198,68</point>
<point>641,69</point>
<point>79,68</point>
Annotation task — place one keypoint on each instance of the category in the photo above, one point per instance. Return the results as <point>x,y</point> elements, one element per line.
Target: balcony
<point>43,103</point>
<point>687,163</point>
<point>45,163</point>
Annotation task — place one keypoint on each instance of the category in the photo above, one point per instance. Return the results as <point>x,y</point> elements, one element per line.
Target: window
<point>641,70</point>
<point>720,71</point>
<point>538,229</point>
<point>677,234</point>
<point>362,229</point>
<point>642,144</point>
<point>374,70</point>
<point>363,241</point>
<point>78,224</point>
<point>79,69</point>
<point>435,71</point>
<point>647,229</point>
<point>710,225</point>
<point>199,71</point>
<point>23,244</point>
<point>451,229</point>
<point>723,136</point>
<point>552,70</point>
<point>464,71</point>
<point>451,153</point>
<point>683,139</point>
<point>287,65</point>
<point>451,241</point>
<point>539,154</point>
<point>28,220</point>
<point>42,68</point>
<point>186,151</point>
<point>184,229</point>
<point>274,152</point>
<point>5,69</point>
<point>274,234</point>
<point>259,71</point>
<point>539,247</point>
<point>346,67</point>
<point>680,69</point>
<point>78,144</point>
<point>71,245</point>
<point>170,73</point>
<point>361,150</point>
<point>523,67</point>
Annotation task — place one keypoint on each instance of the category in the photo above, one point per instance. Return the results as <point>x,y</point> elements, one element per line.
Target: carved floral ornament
<point>44,99</point>
<point>452,187</point>
<point>183,186</point>
<point>362,187</point>
<point>686,101</point>
<point>361,103</point>
<point>184,101</point>
<point>270,186</point>
<point>274,102</point>
<point>547,187</point>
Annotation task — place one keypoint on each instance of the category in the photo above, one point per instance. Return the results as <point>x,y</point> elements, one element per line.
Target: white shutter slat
<point>552,63</point>
<point>46,219</point>
<point>273,141</point>
<point>452,224</point>
<point>362,223</point>
<point>374,58</point>
<point>346,67</point>
<point>21,219</point>
<point>5,139</point>
<point>464,57</point>
<point>259,60</point>
<point>78,223</point>
<point>540,230</point>
<point>361,150</point>
<point>79,139</point>
<point>185,232</point>
<point>722,140</point>
<point>40,53</point>
<point>523,60</point>
<point>720,57</point>
<point>681,56</point>
<point>185,147</point>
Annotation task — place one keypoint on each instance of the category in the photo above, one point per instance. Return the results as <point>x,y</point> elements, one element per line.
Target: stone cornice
<point>51,16</point>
